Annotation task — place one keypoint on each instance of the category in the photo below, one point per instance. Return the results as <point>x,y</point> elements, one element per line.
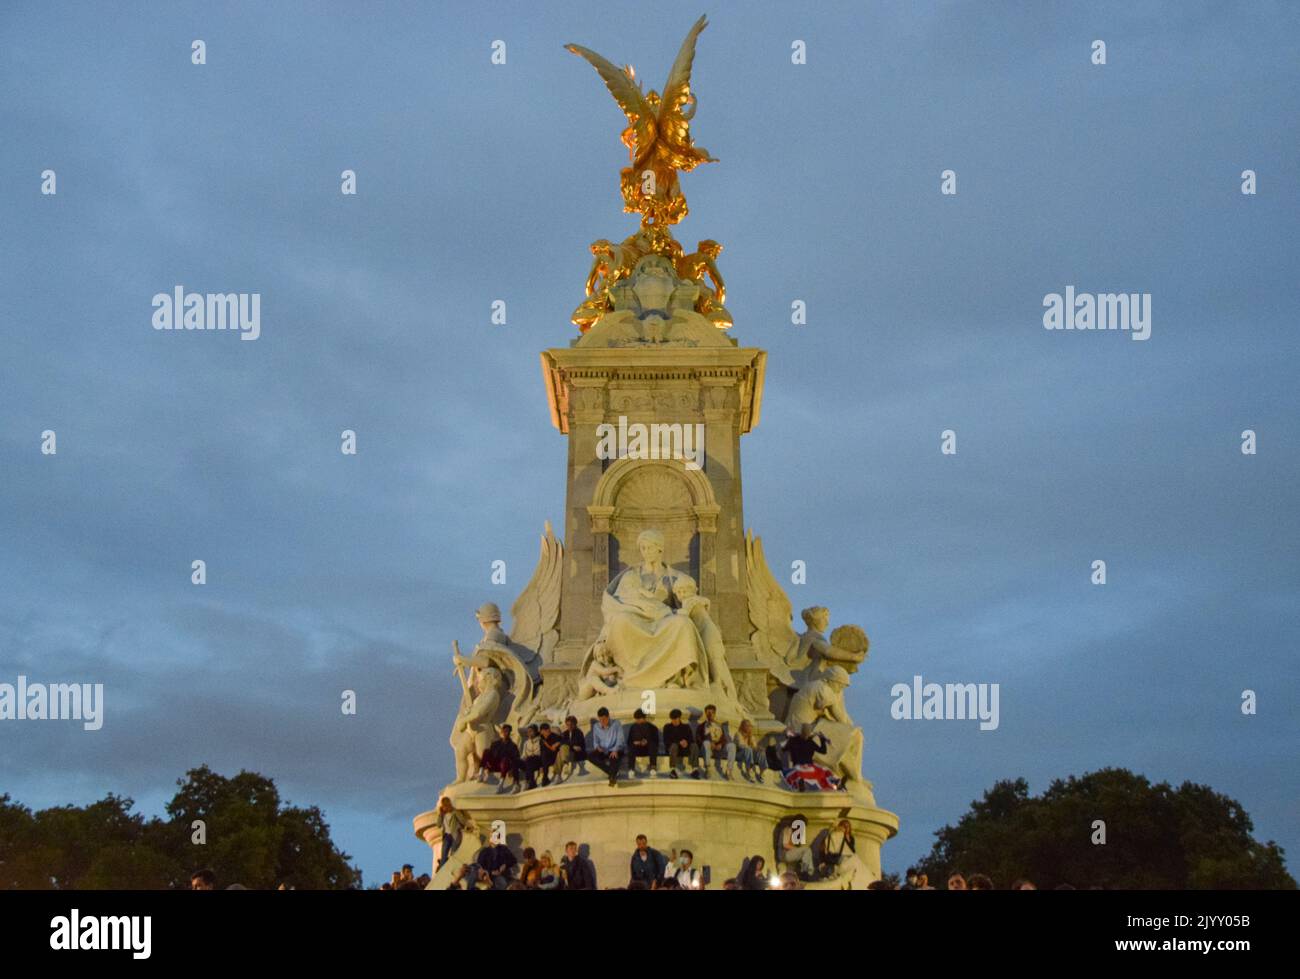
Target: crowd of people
<point>494,865</point>
<point>556,754</point>
<point>918,880</point>
<point>405,880</point>
<point>206,880</point>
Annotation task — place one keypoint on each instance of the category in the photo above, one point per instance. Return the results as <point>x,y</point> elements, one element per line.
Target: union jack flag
<point>819,778</point>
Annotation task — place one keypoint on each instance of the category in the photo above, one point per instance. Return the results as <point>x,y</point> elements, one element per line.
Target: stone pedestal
<point>608,502</point>
<point>721,822</point>
<point>696,380</point>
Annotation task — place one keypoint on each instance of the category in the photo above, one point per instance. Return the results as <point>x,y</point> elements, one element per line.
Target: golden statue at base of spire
<point>659,142</point>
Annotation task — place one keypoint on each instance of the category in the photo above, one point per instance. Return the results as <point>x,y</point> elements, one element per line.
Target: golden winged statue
<point>658,136</point>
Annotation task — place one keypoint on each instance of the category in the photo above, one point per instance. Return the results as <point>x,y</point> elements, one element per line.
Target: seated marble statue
<point>653,646</point>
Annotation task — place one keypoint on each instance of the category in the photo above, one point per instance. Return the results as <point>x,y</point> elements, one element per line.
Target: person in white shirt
<point>681,870</point>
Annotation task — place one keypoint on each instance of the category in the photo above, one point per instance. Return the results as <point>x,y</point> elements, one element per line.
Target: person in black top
<point>802,746</point>
<point>642,742</point>
<point>753,879</point>
<point>648,865</point>
<point>502,756</point>
<point>554,754</point>
<point>497,862</point>
<point>578,873</point>
<point>679,740</point>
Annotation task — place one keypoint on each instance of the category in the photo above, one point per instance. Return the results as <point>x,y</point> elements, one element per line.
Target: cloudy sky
<point>480,182</point>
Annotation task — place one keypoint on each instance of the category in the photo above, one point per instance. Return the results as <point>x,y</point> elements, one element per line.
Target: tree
<point>1156,836</point>
<point>248,838</point>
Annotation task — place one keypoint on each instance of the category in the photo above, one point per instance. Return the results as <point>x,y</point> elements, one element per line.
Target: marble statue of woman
<point>652,646</point>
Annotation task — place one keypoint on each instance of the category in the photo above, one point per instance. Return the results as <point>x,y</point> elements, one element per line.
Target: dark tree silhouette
<point>251,839</point>
<point>1156,837</point>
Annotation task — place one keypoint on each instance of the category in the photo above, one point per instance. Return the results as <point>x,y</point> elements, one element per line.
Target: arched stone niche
<point>639,494</point>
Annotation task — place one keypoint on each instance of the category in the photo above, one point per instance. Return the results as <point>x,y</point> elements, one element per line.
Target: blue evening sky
<point>480,182</point>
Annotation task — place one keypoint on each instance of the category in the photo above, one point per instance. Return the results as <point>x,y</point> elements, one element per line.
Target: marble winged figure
<point>809,671</point>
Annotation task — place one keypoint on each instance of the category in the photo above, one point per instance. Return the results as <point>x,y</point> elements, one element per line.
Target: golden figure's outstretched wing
<point>674,116</point>
<point>628,96</point>
<point>677,90</point>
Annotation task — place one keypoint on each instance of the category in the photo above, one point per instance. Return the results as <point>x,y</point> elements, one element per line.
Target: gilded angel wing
<point>536,612</point>
<point>770,612</point>
<point>677,90</point>
<point>626,94</point>
<point>673,119</point>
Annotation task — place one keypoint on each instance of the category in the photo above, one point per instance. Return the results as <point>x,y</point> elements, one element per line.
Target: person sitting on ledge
<point>679,741</point>
<point>642,742</point>
<point>648,864</point>
<point>747,752</point>
<point>470,877</point>
<point>794,852</point>
<point>838,853</point>
<point>804,772</point>
<point>714,743</point>
<point>555,754</point>
<point>502,757</point>
<point>607,747</point>
<point>576,742</point>
<point>531,758</point>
